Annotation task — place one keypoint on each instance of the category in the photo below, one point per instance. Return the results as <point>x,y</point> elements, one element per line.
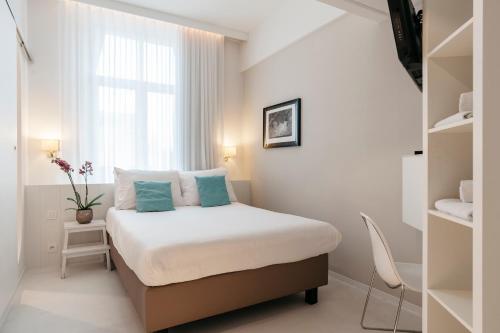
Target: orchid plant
<point>85,170</point>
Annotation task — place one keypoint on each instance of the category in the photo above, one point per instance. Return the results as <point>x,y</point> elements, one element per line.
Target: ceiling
<point>241,15</point>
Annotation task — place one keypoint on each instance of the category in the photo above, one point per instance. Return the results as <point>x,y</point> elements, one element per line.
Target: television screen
<point>406,18</point>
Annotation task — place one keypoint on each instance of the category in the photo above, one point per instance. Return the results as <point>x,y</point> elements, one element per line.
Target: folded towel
<point>454,118</point>
<point>465,102</point>
<point>455,207</point>
<point>466,190</point>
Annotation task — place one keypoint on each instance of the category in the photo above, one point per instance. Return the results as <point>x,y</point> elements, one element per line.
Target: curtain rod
<point>20,39</point>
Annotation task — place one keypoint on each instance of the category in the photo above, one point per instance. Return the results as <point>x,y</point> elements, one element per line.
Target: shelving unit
<point>448,240</point>
<point>461,266</point>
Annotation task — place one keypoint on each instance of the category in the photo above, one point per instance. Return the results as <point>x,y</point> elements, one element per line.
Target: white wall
<point>44,90</point>
<point>360,113</point>
<point>44,77</point>
<point>11,236</point>
<point>288,24</point>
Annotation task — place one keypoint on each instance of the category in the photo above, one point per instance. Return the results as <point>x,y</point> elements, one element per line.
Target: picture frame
<point>282,124</point>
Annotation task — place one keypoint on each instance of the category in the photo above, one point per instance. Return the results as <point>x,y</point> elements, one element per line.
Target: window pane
<point>118,132</point>
<point>118,58</point>
<point>159,64</point>
<point>160,130</point>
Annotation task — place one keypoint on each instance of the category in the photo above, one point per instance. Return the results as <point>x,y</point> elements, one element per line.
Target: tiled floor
<point>93,300</point>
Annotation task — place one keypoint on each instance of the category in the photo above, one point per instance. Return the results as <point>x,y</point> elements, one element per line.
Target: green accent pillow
<point>213,191</point>
<point>153,196</point>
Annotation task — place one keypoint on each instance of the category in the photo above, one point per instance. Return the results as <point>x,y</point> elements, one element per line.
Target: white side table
<point>81,250</point>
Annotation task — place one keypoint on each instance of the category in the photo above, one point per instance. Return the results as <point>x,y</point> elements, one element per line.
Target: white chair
<point>395,274</point>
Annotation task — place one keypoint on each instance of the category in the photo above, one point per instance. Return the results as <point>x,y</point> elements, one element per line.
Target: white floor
<point>92,300</point>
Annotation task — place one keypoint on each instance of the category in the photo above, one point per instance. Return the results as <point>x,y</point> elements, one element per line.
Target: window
<point>136,87</point>
<point>138,93</point>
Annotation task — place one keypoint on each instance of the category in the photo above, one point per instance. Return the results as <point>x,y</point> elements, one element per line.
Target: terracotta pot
<point>84,216</point>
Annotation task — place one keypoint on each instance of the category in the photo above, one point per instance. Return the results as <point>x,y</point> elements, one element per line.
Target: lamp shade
<point>50,146</point>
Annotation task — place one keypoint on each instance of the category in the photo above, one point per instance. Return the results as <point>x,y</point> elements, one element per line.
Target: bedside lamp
<point>229,152</point>
<point>51,147</point>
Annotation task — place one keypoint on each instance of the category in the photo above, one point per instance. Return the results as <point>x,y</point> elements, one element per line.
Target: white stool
<point>81,250</point>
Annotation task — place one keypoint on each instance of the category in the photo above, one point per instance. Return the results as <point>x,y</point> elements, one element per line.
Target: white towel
<point>466,191</point>
<point>465,103</point>
<point>454,118</point>
<point>455,207</point>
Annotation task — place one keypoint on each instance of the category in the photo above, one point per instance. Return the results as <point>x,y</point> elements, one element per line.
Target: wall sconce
<point>229,152</point>
<point>51,147</point>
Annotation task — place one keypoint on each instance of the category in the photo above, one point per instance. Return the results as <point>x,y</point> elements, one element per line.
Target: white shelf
<point>457,44</point>
<point>457,302</point>
<point>80,245</point>
<point>77,227</point>
<point>463,126</point>
<point>451,218</point>
<point>79,251</point>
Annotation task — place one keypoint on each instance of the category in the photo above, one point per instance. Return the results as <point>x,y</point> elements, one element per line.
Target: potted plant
<point>84,213</point>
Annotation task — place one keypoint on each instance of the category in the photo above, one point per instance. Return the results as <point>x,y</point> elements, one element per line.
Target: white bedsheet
<point>193,242</point>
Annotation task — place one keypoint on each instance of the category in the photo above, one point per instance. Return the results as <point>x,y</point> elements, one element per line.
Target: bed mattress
<point>194,242</point>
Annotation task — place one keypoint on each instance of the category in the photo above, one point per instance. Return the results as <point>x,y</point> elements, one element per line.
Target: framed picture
<point>281,124</point>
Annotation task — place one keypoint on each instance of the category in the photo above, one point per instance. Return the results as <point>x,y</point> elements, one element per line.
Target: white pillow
<point>190,189</point>
<point>125,190</point>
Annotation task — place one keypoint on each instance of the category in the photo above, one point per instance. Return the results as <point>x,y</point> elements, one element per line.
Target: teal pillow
<point>213,191</point>
<point>153,196</point>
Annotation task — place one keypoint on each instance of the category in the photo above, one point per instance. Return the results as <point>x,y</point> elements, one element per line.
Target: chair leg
<point>372,279</point>
<point>398,313</point>
<point>395,328</point>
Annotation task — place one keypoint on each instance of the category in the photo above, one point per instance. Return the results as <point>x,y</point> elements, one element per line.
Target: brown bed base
<point>171,305</point>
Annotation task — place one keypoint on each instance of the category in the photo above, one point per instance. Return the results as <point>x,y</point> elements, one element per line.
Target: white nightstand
<point>81,250</point>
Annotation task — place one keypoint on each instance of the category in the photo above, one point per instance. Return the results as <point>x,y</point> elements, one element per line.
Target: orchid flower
<point>85,170</point>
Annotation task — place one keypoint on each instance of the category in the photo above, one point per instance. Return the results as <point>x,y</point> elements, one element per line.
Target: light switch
<point>52,215</point>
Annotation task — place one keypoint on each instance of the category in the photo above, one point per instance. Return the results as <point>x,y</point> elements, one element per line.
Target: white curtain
<point>201,66</point>
<point>138,93</point>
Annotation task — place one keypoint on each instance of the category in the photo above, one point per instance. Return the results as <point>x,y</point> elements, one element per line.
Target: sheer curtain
<point>138,93</point>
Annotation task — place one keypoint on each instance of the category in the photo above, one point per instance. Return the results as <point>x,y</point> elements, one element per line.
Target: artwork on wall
<point>281,124</point>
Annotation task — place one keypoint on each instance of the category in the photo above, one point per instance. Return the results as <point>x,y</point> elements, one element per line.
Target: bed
<point>195,262</point>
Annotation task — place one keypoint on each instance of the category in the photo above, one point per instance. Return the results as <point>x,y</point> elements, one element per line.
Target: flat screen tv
<point>406,18</point>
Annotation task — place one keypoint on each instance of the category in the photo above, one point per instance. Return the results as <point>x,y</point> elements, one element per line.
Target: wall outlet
<point>51,214</point>
<point>52,248</point>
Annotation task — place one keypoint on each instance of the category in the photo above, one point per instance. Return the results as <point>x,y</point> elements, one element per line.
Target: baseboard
<point>376,293</point>
<point>13,300</point>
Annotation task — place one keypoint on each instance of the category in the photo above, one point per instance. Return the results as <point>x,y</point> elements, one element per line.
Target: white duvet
<point>194,242</point>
